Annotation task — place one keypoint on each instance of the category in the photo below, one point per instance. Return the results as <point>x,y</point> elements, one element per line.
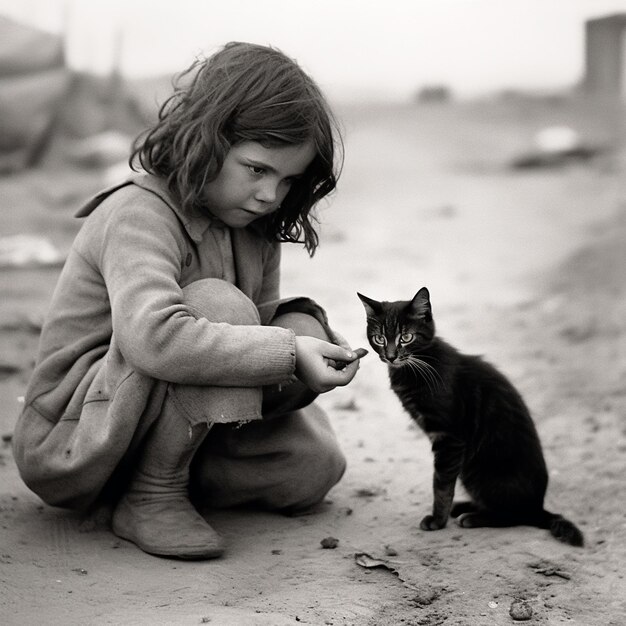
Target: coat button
<point>188,259</point>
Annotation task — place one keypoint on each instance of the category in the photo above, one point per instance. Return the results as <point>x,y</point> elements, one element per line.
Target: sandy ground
<point>526,268</point>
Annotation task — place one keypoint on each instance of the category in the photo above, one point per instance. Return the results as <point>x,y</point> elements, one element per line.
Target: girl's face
<point>254,180</point>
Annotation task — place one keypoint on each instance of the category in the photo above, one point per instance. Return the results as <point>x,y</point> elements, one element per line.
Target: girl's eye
<point>255,169</point>
<point>379,340</point>
<point>406,338</point>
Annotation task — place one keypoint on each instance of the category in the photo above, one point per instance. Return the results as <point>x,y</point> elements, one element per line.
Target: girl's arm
<point>140,260</point>
<point>321,365</point>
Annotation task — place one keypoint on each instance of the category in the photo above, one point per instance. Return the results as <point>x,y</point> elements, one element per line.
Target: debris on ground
<point>549,569</point>
<point>369,562</point>
<point>556,146</point>
<point>520,611</point>
<point>366,492</point>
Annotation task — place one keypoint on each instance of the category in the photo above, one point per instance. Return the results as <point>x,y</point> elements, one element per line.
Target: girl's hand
<point>317,362</point>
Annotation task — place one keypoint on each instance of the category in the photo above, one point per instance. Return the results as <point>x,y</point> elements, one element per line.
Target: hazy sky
<point>364,47</point>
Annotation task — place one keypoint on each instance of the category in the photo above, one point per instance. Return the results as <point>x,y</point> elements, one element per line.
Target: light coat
<point>118,331</point>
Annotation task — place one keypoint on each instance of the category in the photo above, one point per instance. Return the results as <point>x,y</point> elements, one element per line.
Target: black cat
<point>478,424</point>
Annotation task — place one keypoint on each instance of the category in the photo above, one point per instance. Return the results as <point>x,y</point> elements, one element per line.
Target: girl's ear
<point>420,305</point>
<point>372,307</point>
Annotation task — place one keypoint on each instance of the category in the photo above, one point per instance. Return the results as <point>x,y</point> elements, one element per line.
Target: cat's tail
<point>562,529</point>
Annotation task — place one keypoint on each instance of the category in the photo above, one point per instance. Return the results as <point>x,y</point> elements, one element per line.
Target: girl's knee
<point>220,301</point>
<point>302,324</point>
<point>312,472</point>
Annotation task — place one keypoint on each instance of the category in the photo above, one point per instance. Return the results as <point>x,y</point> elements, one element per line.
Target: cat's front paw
<point>430,523</point>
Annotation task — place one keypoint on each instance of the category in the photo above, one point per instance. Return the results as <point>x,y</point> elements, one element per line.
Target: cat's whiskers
<point>426,356</point>
<point>419,372</point>
<point>423,373</point>
<point>429,374</point>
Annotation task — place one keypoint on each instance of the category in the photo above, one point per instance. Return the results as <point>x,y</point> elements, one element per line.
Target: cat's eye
<point>379,340</point>
<point>406,338</point>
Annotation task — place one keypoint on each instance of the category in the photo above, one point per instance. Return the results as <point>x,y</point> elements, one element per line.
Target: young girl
<point>169,371</point>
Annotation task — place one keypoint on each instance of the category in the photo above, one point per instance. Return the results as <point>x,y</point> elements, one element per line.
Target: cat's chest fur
<point>429,401</point>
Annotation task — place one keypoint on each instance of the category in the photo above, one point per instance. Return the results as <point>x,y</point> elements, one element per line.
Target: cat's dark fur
<point>479,426</point>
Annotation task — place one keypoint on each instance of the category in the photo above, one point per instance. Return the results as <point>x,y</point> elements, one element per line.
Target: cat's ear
<point>372,307</point>
<point>420,304</point>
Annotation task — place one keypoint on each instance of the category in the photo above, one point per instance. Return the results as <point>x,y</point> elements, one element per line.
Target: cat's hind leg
<point>475,519</point>
<point>483,518</point>
<point>463,506</point>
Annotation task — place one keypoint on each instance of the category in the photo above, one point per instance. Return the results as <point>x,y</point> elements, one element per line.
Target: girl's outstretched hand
<point>322,365</point>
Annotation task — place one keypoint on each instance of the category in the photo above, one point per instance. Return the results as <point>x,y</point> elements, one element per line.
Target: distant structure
<point>605,56</point>
<point>434,93</point>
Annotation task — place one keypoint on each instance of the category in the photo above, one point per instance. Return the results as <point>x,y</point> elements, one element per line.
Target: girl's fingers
<point>347,373</point>
<point>341,363</point>
<point>337,353</point>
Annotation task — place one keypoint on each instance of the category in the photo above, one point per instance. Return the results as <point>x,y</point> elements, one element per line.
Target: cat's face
<point>398,330</point>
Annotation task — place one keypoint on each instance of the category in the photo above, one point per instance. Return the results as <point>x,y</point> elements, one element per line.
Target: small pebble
<point>329,543</point>
<point>520,611</point>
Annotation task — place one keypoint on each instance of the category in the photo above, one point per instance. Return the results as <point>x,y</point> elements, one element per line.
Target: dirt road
<point>523,267</point>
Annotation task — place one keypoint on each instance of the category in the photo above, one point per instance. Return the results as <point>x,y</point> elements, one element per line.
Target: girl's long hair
<point>244,92</point>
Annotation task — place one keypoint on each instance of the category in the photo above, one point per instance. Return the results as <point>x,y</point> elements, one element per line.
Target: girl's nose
<point>266,192</point>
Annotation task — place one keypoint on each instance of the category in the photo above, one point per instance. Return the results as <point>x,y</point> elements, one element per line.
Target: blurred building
<point>605,56</point>
<point>45,104</point>
<point>33,83</point>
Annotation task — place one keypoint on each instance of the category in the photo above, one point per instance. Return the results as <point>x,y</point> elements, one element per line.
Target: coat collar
<point>196,225</point>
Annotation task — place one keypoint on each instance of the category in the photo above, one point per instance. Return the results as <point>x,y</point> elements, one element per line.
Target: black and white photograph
<point>313,312</point>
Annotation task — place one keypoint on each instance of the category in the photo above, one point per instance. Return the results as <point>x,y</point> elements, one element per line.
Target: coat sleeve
<point>140,259</point>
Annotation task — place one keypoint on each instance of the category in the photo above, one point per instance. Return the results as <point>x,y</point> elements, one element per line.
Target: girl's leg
<point>155,511</point>
<point>288,460</point>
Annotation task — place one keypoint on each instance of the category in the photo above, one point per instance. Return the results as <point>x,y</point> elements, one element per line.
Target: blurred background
<point>355,48</point>
<point>482,137</point>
